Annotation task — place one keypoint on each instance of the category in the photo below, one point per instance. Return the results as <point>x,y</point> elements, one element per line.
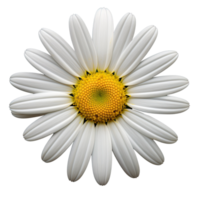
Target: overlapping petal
<point>61,140</point>
<point>123,35</point>
<point>149,126</point>
<point>103,37</point>
<point>17,115</point>
<point>41,103</point>
<point>158,86</point>
<point>159,105</point>
<point>45,64</point>
<point>135,51</point>
<point>61,52</point>
<point>36,83</point>
<point>83,44</point>
<point>150,67</point>
<point>49,124</point>
<point>102,154</point>
<point>81,151</point>
<point>145,146</point>
<point>123,150</point>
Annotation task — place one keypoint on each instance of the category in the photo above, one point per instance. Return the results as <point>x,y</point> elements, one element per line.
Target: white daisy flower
<point>92,96</point>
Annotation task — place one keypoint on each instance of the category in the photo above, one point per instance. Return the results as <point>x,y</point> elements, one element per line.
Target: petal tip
<point>73,16</point>
<point>153,27</point>
<point>27,52</point>
<point>160,162</point>
<point>25,138</point>
<point>43,30</point>
<point>103,10</point>
<point>188,82</point>
<point>188,105</point>
<point>176,54</point>
<point>43,159</point>
<point>175,140</point>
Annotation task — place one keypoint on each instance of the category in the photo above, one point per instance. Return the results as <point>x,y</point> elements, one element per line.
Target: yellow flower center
<point>100,97</point>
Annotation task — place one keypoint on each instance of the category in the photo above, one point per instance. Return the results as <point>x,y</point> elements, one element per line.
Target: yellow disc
<point>100,97</point>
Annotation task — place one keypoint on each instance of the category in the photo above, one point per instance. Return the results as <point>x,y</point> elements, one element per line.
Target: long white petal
<point>103,37</point>
<point>61,51</point>
<point>41,103</point>
<point>49,124</point>
<point>123,35</point>
<point>149,126</point>
<point>123,150</point>
<point>81,151</point>
<point>83,44</point>
<point>36,83</point>
<point>150,67</point>
<point>45,64</point>
<point>135,51</point>
<point>25,115</point>
<point>159,105</point>
<point>102,154</point>
<point>61,140</point>
<point>158,86</point>
<point>145,146</point>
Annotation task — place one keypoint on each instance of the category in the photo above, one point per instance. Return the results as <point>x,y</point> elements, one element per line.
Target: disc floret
<point>100,97</point>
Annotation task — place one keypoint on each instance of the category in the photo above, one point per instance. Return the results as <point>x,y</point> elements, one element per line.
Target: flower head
<point>93,95</point>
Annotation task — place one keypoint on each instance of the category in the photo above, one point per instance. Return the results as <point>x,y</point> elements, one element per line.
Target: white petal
<point>103,37</point>
<point>81,151</point>
<point>25,115</point>
<point>83,44</point>
<point>145,146</point>
<point>135,51</point>
<point>45,64</point>
<point>41,103</point>
<point>102,154</point>
<point>159,105</point>
<point>123,150</point>
<point>61,140</point>
<point>49,124</point>
<point>36,83</point>
<point>61,52</point>
<point>149,126</point>
<point>150,67</point>
<point>123,35</point>
<point>158,86</point>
